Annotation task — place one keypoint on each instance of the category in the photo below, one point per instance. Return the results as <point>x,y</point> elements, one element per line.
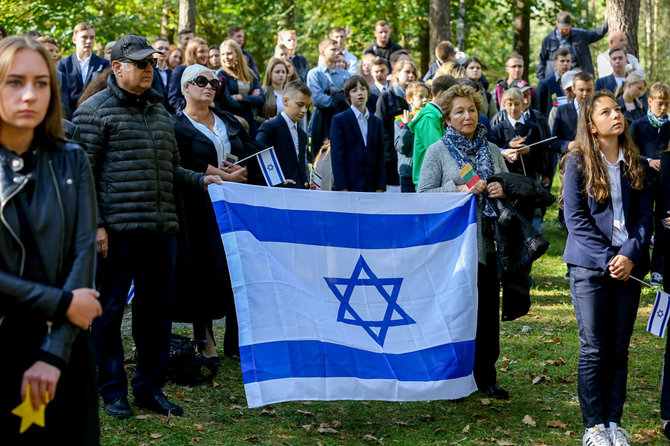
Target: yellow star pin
<point>30,416</point>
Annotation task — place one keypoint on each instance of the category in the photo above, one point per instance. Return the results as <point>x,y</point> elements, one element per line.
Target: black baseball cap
<point>132,47</point>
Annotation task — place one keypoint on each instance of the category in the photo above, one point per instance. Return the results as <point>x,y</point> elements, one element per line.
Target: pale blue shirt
<point>320,78</point>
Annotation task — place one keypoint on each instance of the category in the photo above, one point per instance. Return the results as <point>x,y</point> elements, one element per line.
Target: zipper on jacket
<point>9,228</point>
<point>62,215</point>
<point>158,175</point>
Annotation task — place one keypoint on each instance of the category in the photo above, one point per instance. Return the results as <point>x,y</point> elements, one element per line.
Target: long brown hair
<point>189,56</point>
<point>52,126</point>
<point>586,151</point>
<point>241,69</point>
<point>267,80</point>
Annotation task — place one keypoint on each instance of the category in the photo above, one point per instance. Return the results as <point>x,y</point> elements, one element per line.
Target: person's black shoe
<point>666,430</point>
<point>118,407</point>
<point>211,362</point>
<point>497,392</point>
<point>158,403</point>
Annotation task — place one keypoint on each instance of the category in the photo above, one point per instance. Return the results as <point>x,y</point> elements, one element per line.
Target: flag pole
<point>255,154</point>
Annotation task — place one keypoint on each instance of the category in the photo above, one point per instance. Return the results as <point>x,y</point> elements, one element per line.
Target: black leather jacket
<point>63,223</point>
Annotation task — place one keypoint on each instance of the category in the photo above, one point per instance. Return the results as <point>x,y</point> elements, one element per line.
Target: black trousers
<point>487,339</point>
<point>149,259</point>
<point>605,310</point>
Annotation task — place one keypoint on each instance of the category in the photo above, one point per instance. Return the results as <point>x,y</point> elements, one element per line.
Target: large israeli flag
<point>351,296</point>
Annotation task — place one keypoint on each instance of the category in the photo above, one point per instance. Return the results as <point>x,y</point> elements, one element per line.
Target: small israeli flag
<point>270,167</point>
<point>658,319</point>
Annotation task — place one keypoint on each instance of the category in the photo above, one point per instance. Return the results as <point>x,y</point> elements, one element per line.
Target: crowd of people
<point>149,127</point>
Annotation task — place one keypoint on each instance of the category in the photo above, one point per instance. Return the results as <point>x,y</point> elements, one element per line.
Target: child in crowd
<point>289,39</point>
<point>651,134</point>
<point>357,153</point>
<point>273,87</point>
<point>285,135</point>
<point>380,73</point>
<point>326,83</point>
<point>417,94</point>
<point>390,104</point>
<point>628,96</point>
<point>428,125</point>
<point>444,52</point>
<point>473,71</point>
<point>365,69</point>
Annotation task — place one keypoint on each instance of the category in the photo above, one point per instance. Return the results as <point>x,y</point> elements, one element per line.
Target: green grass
<point>538,365</point>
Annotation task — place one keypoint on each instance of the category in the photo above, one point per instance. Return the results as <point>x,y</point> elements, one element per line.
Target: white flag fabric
<point>351,296</point>
<point>267,160</point>
<point>658,319</point>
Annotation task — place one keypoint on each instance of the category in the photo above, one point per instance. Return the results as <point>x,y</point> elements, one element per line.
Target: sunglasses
<point>141,64</point>
<point>202,81</point>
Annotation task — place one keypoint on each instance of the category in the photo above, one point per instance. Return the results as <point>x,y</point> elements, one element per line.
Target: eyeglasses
<point>141,64</point>
<point>202,81</point>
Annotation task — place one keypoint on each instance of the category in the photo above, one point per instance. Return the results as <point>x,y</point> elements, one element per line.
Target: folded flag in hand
<point>469,175</point>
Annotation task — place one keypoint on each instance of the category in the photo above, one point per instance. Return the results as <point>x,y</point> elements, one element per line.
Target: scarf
<point>656,122</point>
<point>398,90</point>
<point>473,151</point>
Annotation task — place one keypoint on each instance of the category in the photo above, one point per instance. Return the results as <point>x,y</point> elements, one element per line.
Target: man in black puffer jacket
<point>133,153</point>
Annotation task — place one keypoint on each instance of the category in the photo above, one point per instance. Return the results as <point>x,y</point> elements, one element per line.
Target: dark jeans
<point>407,185</point>
<point>487,339</point>
<point>605,310</point>
<point>149,259</point>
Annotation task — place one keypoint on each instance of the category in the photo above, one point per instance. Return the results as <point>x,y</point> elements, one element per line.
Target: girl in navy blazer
<point>608,212</point>
<point>357,152</point>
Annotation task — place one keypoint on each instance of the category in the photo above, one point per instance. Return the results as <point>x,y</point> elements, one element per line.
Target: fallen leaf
<point>401,423</point>
<point>268,412</point>
<point>540,378</point>
<point>179,395</point>
<point>215,384</point>
<point>505,443</point>
<point>324,429</point>
<point>252,438</point>
<point>466,429</point>
<point>368,437</point>
<point>529,421</point>
<point>307,426</point>
<point>485,402</point>
<point>199,427</point>
<point>236,407</point>
<point>304,412</point>
<point>557,424</point>
<point>426,417</point>
<point>154,436</point>
<point>335,424</point>
<point>143,417</point>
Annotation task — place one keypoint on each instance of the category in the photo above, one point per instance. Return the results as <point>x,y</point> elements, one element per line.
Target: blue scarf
<point>398,90</point>
<point>473,151</point>
<point>656,122</point>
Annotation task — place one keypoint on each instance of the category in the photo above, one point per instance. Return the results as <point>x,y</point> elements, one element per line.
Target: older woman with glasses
<point>206,137</point>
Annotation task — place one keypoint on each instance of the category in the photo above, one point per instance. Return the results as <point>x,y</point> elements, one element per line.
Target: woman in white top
<point>205,136</point>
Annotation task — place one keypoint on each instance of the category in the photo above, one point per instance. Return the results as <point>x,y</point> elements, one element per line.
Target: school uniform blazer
<point>606,83</point>
<point>589,222</point>
<point>357,167</point>
<point>175,97</point>
<point>70,67</point>
<point>565,127</point>
<point>275,132</point>
<point>650,140</point>
<point>162,89</point>
<point>547,87</point>
<point>503,133</point>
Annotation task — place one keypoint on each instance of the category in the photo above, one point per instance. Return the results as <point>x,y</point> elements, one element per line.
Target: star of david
<point>393,316</point>
<point>270,166</point>
<point>660,313</point>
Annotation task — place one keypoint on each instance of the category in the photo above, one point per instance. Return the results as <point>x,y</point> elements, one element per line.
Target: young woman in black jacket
<point>47,254</point>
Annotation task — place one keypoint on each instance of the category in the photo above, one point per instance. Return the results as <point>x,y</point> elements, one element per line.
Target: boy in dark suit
<point>288,139</point>
<point>618,59</point>
<point>565,124</point>
<point>549,91</point>
<point>162,73</point>
<point>357,152</point>
<point>83,66</point>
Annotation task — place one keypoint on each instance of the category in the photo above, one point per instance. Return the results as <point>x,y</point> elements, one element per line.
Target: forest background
<point>488,29</point>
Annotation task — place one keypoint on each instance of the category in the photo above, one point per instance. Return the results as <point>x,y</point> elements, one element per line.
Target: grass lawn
<point>538,366</point>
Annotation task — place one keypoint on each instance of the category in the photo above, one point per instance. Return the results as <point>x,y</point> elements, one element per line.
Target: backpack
<point>183,367</point>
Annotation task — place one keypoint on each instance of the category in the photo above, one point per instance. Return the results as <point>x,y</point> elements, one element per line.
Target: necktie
<point>517,128</point>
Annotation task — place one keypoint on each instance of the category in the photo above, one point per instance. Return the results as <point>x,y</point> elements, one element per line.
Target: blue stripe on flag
<point>277,166</point>
<point>344,230</point>
<point>315,359</point>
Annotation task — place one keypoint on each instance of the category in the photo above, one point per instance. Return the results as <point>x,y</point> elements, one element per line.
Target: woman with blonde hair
<point>273,86</point>
<point>628,96</point>
<point>241,92</point>
<point>608,213</point>
<point>196,52</point>
<point>47,257</point>
<point>451,68</point>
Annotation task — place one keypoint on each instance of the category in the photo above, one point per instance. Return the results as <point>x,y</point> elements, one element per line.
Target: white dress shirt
<point>83,66</point>
<point>279,102</point>
<point>293,128</point>
<point>513,121</point>
<point>619,231</point>
<point>362,120</point>
<point>219,137</point>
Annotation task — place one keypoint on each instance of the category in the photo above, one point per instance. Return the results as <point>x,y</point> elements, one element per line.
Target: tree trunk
<point>654,56</point>
<point>424,44</point>
<point>647,37</point>
<point>439,24</point>
<point>522,33</point>
<point>288,21</point>
<point>165,20</point>
<point>623,15</point>
<point>461,25</point>
<point>187,14</point>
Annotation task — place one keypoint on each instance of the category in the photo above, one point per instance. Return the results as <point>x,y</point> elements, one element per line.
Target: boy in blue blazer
<point>81,67</point>
<point>357,153</point>
<point>618,59</point>
<point>286,135</point>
